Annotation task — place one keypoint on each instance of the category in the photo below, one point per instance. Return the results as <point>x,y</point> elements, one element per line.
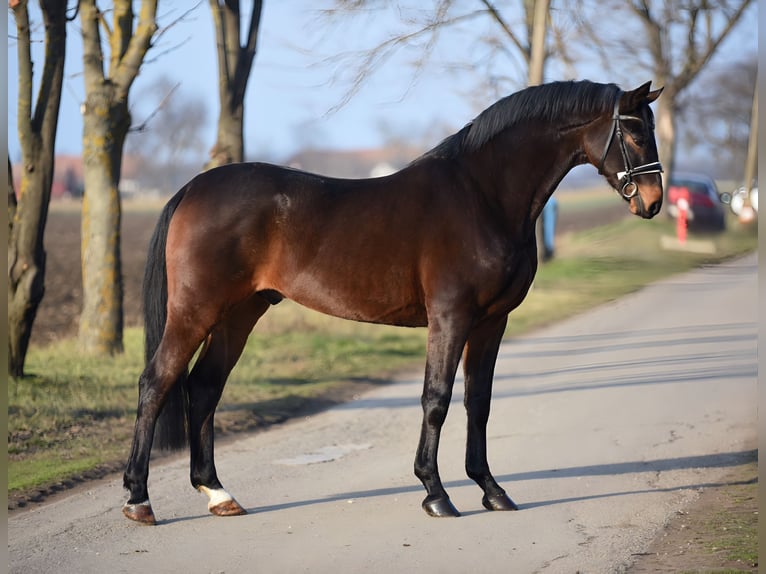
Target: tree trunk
<point>666,134</point>
<point>229,145</point>
<point>535,76</point>
<point>536,70</point>
<point>26,264</point>
<point>105,125</point>
<point>29,212</point>
<point>234,64</point>
<point>106,121</point>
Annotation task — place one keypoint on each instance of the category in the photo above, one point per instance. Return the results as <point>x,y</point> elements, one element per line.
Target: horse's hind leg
<point>479,367</point>
<point>163,371</point>
<point>220,353</point>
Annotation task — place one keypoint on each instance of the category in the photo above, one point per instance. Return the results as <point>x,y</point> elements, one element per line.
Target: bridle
<point>628,187</point>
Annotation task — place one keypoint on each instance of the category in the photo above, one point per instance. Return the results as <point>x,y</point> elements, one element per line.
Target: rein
<point>629,188</point>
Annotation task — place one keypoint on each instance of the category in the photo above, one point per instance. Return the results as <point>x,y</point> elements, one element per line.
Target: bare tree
<point>29,212</point>
<point>681,37</point>
<point>235,61</point>
<point>724,97</point>
<point>499,38</point>
<point>106,121</point>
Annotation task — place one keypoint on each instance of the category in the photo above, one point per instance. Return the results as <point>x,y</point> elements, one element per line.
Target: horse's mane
<point>570,102</point>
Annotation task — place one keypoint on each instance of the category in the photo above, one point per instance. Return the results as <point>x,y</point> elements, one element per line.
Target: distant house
<point>362,163</point>
<point>68,181</point>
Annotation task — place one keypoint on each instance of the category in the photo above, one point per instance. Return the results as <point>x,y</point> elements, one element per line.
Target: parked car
<point>705,209</point>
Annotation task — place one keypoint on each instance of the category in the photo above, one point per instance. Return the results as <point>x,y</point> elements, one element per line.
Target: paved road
<point>602,427</point>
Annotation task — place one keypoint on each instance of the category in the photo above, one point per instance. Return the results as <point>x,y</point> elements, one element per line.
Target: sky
<point>295,83</point>
<point>290,93</point>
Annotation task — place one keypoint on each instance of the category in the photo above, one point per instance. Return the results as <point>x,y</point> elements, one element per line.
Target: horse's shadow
<point>719,460</point>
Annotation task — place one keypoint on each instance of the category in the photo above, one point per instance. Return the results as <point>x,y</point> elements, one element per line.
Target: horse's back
<point>349,248</point>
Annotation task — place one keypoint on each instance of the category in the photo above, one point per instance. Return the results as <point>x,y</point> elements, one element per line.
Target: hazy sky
<point>291,89</point>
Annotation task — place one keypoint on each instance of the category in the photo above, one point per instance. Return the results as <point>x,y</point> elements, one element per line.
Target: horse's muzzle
<point>647,202</point>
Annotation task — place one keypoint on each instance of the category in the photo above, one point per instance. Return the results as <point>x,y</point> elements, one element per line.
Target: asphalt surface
<point>602,427</point>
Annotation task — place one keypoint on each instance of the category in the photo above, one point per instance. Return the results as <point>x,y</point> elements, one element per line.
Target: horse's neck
<point>527,175</point>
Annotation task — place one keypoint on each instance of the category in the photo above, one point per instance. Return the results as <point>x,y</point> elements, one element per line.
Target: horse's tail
<point>170,431</point>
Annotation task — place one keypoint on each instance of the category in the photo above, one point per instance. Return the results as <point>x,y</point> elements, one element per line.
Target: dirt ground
<point>58,314</point>
<point>687,544</point>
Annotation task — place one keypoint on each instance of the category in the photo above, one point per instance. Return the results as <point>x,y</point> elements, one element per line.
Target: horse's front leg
<point>445,344</point>
<point>479,367</point>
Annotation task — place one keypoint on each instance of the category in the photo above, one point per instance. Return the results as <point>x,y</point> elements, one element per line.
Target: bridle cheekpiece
<point>628,187</point>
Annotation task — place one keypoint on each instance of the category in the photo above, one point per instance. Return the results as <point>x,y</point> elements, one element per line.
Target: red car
<point>704,207</point>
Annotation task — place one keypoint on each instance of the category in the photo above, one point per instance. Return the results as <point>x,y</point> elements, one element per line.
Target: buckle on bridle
<point>647,168</point>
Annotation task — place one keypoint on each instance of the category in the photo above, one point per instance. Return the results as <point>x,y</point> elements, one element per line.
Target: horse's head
<point>628,152</point>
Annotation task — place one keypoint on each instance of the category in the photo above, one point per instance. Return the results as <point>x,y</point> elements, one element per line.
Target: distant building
<point>68,180</point>
<point>354,163</point>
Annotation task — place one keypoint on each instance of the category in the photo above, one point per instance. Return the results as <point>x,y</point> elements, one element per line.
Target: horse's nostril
<point>654,208</point>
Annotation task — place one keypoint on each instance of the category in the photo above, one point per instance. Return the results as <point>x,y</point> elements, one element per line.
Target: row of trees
<point>108,77</point>
<point>676,38</point>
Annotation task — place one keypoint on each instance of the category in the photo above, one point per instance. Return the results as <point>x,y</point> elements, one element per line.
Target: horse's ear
<point>629,101</point>
<point>651,96</point>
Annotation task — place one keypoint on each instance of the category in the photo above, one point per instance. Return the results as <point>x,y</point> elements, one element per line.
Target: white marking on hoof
<point>216,496</point>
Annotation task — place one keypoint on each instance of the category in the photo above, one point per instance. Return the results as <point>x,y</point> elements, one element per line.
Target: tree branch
<point>122,30</point>
<point>105,24</point>
<point>693,67</point>
<point>138,46</point>
<point>24,105</point>
<point>143,125</point>
<point>93,58</point>
<point>74,15</point>
<point>378,55</point>
<point>656,41</point>
<point>246,55</point>
<point>181,18</point>
<point>231,25</point>
<point>54,17</point>
<point>525,50</point>
<point>221,52</point>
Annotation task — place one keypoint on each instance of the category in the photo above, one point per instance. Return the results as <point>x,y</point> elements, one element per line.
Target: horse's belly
<point>359,302</point>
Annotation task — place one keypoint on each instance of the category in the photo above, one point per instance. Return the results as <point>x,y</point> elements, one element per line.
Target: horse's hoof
<point>440,507</point>
<point>227,508</point>
<point>498,502</point>
<point>141,512</point>
<point>221,503</point>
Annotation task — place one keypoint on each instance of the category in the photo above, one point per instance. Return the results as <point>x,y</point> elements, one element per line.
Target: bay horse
<point>448,243</point>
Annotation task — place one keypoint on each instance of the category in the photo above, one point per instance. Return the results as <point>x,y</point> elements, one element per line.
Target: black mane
<point>567,102</point>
